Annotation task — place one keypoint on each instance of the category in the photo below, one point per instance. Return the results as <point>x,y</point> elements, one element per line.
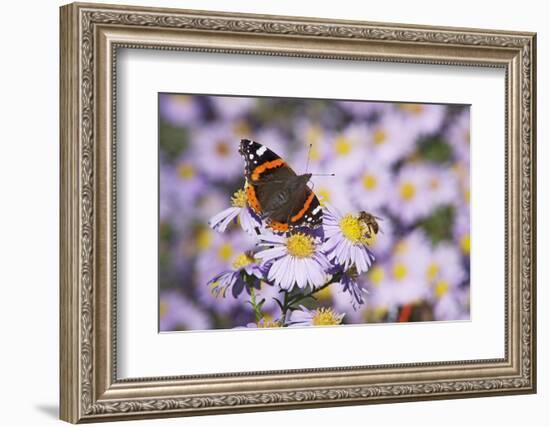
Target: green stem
<point>257,311</point>
<point>299,298</point>
<point>285,309</point>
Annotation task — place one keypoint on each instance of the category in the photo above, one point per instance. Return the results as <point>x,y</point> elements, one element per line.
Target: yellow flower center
<point>465,243</point>
<point>225,252</point>
<point>204,238</point>
<point>326,316</point>
<point>163,308</point>
<point>369,182</point>
<point>268,322</point>
<point>434,183</point>
<point>379,137</point>
<point>380,312</point>
<point>239,199</point>
<point>353,228</point>
<point>401,247</point>
<point>407,190</point>
<point>432,271</point>
<point>342,146</point>
<point>313,134</point>
<point>182,99</point>
<point>441,288</point>
<point>300,245</point>
<point>241,128</point>
<point>400,271</point>
<point>412,108</point>
<point>376,275</point>
<point>186,171</point>
<point>242,261</point>
<point>222,148</point>
<point>314,154</point>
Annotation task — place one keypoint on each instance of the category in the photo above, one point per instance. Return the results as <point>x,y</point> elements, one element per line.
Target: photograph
<point>290,212</point>
<point>268,210</point>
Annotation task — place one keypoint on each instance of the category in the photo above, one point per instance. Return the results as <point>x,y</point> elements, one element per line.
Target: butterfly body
<point>275,192</point>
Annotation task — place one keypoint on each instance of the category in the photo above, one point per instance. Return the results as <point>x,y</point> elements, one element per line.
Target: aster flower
<point>218,253</point>
<point>333,190</point>
<point>266,322</point>
<point>232,107</point>
<point>425,118</point>
<point>346,242</point>
<point>215,150</point>
<point>315,142</point>
<point>371,188</point>
<point>461,231</point>
<point>458,137</point>
<point>453,305</point>
<point>239,209</point>
<point>349,284</point>
<point>179,110</point>
<point>443,184</point>
<point>294,260</point>
<point>401,279</point>
<point>324,316</point>
<point>445,269</point>
<point>180,186</point>
<point>362,109</point>
<point>411,198</point>
<point>210,203</point>
<point>245,272</point>
<point>348,151</point>
<point>390,139</point>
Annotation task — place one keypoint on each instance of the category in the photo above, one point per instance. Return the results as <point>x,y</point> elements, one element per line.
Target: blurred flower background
<point>408,164</point>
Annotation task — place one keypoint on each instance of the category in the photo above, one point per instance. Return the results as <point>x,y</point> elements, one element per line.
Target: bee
<point>371,222</point>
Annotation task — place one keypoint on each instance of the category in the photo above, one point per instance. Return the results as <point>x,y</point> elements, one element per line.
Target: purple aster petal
<point>269,239</point>
<point>271,254</point>
<point>351,286</point>
<point>219,222</point>
<point>300,275</point>
<point>248,221</point>
<point>238,286</point>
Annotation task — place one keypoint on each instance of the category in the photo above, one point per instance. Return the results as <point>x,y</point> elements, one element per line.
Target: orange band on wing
<point>278,226</point>
<point>304,209</point>
<point>263,167</point>
<point>253,201</point>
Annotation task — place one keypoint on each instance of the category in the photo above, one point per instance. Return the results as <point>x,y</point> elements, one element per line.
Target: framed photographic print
<point>267,212</point>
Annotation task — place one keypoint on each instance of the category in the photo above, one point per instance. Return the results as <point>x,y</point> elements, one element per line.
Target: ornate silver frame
<point>90,36</point>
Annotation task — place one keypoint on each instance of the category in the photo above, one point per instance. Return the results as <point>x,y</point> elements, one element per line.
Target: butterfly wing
<point>266,172</point>
<point>261,162</point>
<point>275,192</point>
<point>308,211</point>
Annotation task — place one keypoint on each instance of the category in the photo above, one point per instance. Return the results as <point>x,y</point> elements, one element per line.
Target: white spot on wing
<point>317,209</point>
<point>261,150</point>
<point>251,156</point>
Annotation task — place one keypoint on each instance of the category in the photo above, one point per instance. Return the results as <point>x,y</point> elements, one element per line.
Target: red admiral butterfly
<point>276,193</point>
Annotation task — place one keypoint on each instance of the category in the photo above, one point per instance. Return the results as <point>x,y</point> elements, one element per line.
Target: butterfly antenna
<point>307,164</point>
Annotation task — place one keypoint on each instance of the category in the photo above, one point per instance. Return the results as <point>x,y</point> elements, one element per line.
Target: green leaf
<point>435,149</point>
<point>439,226</point>
<point>173,140</point>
